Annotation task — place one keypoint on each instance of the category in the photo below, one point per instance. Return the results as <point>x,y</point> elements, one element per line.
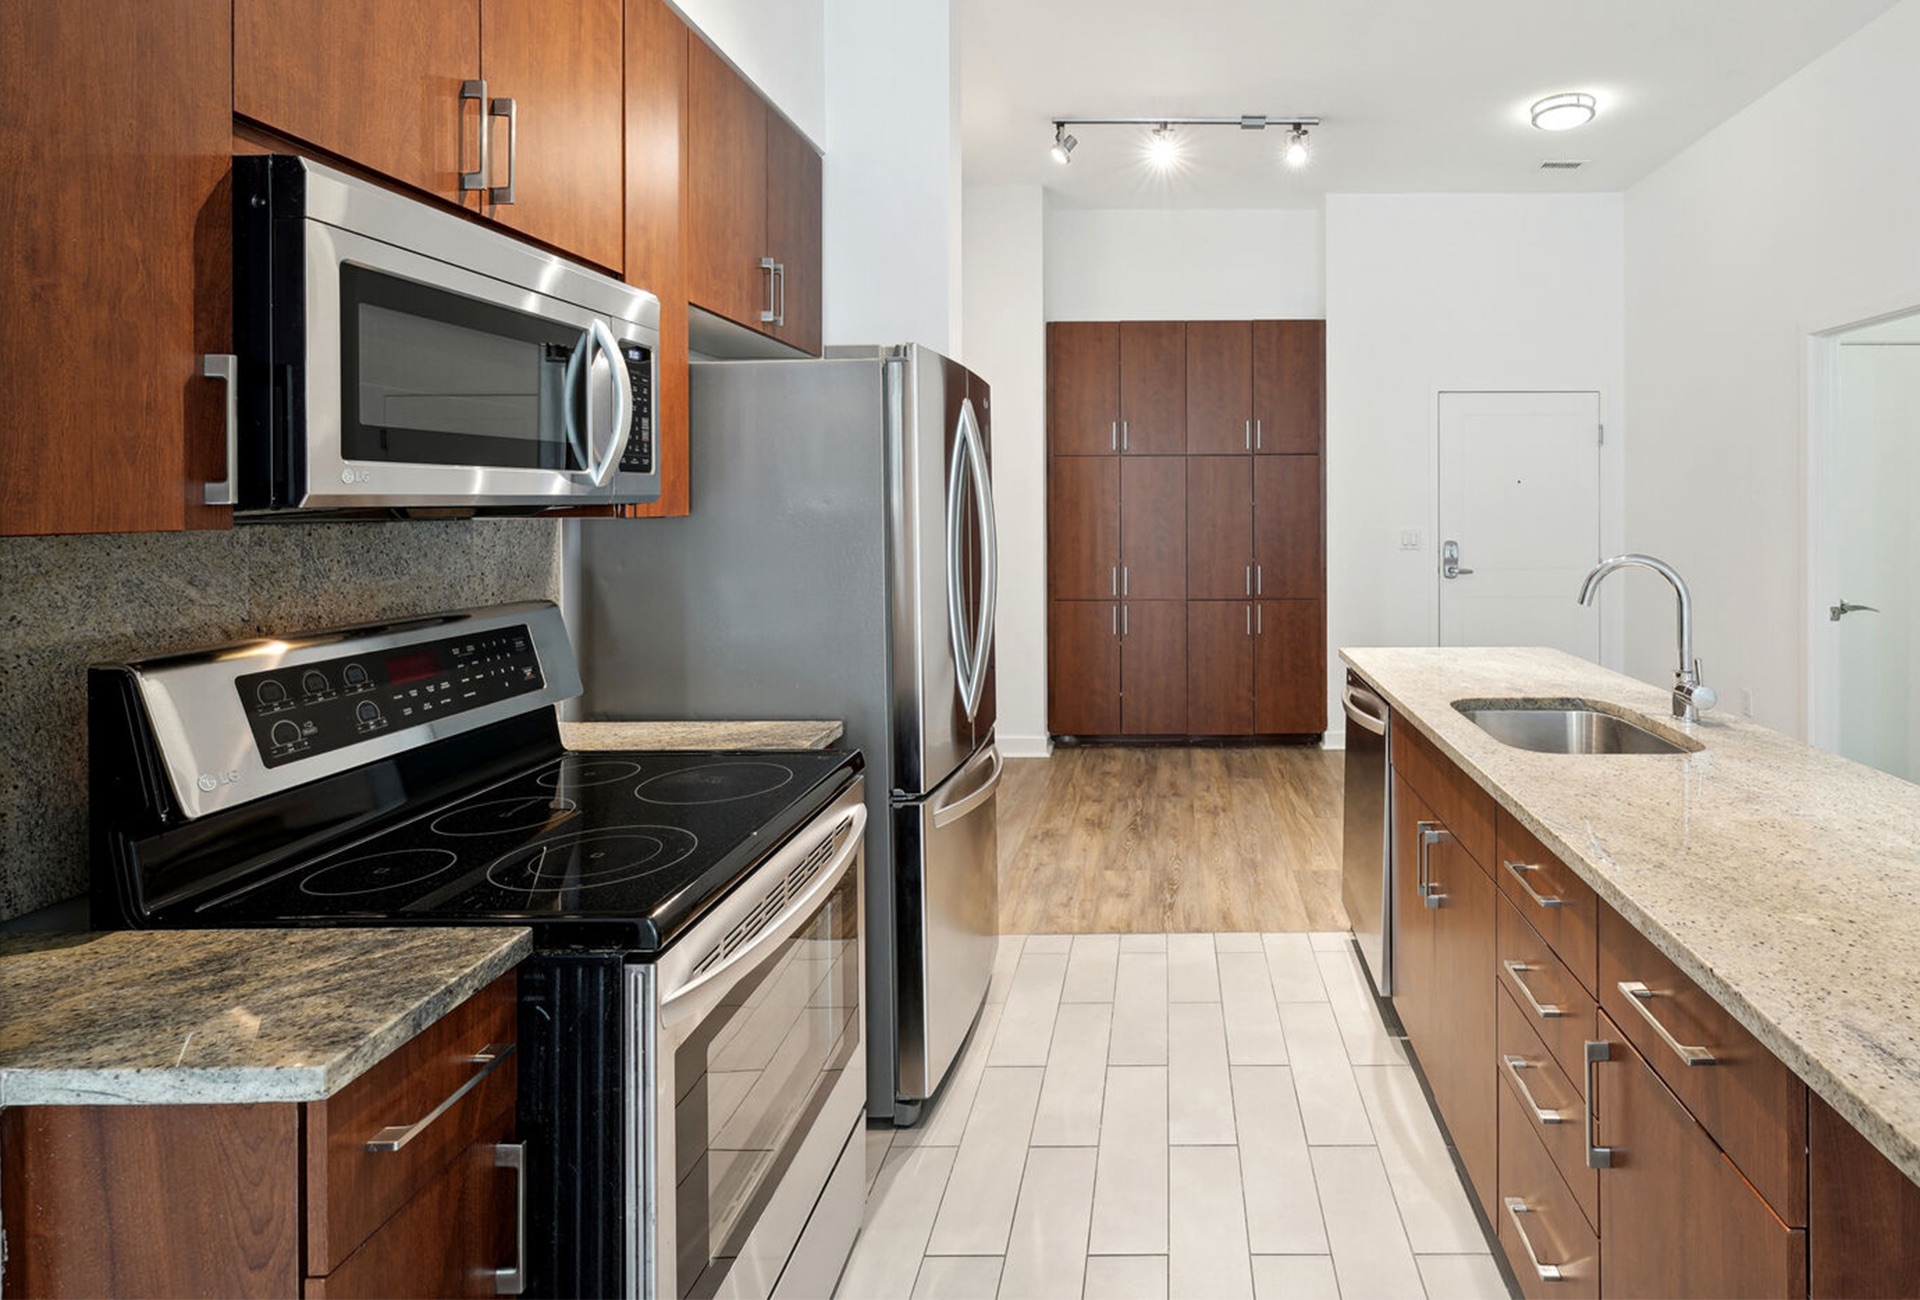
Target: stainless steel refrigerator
<point>839,562</point>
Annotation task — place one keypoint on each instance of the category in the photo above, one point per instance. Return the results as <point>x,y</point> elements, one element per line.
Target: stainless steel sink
<point>1566,728</point>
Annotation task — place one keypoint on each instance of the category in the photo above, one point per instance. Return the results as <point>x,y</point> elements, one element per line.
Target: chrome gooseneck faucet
<point>1690,697</point>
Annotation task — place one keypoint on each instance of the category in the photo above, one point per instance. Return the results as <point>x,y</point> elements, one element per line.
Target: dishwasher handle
<point>1367,710</point>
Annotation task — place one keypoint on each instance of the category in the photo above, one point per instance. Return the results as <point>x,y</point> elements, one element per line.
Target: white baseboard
<point>1025,746</point>
<point>1334,739</point>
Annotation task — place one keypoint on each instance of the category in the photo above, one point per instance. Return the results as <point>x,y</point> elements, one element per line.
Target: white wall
<point>1434,292</point>
<point>1799,215</point>
<point>1183,264</point>
<point>1005,330</point>
<point>779,45</point>
<point>892,219</point>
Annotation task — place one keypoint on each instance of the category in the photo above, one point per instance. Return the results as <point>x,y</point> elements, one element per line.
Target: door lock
<point>1450,560</point>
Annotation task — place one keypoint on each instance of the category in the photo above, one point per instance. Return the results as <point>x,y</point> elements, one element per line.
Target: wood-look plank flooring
<point>1105,839</point>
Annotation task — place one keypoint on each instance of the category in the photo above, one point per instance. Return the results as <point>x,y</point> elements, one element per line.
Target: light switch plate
<point>1409,539</point>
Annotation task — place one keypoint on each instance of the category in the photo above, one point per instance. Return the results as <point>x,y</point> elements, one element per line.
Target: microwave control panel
<point>638,457</point>
<point>319,707</point>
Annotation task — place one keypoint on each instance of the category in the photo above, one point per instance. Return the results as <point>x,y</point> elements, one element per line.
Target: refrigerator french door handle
<point>948,813</point>
<point>957,632</point>
<point>989,555</point>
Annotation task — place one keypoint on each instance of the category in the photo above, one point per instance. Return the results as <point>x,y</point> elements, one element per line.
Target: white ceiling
<point>1417,95</point>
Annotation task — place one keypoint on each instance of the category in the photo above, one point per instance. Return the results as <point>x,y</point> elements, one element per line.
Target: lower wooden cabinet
<point>1547,1239</point>
<point>1863,1228</point>
<point>281,1199</point>
<point>1117,668</point>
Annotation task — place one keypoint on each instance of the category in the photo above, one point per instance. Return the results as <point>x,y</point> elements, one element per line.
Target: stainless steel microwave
<point>393,357</point>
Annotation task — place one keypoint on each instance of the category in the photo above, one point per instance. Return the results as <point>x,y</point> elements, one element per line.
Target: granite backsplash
<point>66,602</point>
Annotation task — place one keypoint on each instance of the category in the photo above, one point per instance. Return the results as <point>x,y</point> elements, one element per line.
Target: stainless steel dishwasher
<point>1366,876</point>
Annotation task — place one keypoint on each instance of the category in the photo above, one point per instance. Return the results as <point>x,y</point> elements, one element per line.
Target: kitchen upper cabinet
<point>1219,387</point>
<point>115,264</point>
<point>1153,388</point>
<point>1286,527</point>
<point>1083,539</point>
<point>380,83</point>
<point>1083,388</point>
<point>1289,386</point>
<point>753,207</point>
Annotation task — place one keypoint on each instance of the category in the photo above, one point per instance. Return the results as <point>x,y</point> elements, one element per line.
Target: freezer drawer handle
<point>949,813</point>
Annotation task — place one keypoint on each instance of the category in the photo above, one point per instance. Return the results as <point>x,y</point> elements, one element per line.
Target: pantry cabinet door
<point>1289,386</point>
<point>1083,532</point>
<point>1153,668</point>
<point>1083,668</point>
<point>1220,651</point>
<point>1083,388</point>
<point>1219,387</point>
<point>1153,388</point>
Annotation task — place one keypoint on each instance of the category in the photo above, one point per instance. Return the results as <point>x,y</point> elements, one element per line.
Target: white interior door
<point>1520,508</point>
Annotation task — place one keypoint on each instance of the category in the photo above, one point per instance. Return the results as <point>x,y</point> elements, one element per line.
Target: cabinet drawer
<point>1464,807</point>
<point>1552,1105</point>
<point>1541,1228</point>
<point>352,1190</point>
<point>1557,1008</point>
<point>1749,1102</point>
<point>1560,905</point>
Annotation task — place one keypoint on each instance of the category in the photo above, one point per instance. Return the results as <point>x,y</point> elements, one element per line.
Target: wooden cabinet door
<point>793,232</point>
<point>1153,668</point>
<point>1676,1218</point>
<point>564,78</point>
<point>1083,388</point>
<point>115,263</point>
<point>1083,668</point>
<point>1153,528</point>
<point>656,108</point>
<point>376,81</point>
<point>1220,652</point>
<point>1219,527</point>
<point>1219,387</point>
<point>1462,1044</point>
<point>726,190</point>
<point>1289,386</point>
<point>1863,1233</point>
<point>1289,667</point>
<point>1287,526</point>
<point>1153,388</point>
<point>1083,528</point>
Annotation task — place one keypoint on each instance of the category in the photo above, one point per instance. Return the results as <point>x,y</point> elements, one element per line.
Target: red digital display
<point>402,669</point>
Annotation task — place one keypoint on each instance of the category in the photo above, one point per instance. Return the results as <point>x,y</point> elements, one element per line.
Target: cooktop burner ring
<point>427,863</point>
<point>698,784</point>
<point>501,816</point>
<point>586,774</point>
<point>526,869</point>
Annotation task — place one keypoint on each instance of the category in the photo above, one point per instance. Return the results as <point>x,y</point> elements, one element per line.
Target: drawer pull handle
<point>1431,833</point>
<point>1640,995</point>
<point>1598,1157</point>
<point>513,1155</point>
<point>398,1135</point>
<point>1514,1065</point>
<point>1545,1010</point>
<point>1520,871</point>
<point>1548,1272</point>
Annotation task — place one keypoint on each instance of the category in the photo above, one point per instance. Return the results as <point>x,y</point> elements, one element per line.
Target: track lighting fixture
<point>1163,145</point>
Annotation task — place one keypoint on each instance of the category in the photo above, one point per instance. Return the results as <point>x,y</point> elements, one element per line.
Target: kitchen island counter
<point>182,1017</point>
<point>1784,880</point>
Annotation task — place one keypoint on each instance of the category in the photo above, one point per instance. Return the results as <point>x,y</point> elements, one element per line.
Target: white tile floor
<point>1170,1116</point>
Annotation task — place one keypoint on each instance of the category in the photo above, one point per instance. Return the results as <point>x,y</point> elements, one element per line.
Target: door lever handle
<point>1844,608</point>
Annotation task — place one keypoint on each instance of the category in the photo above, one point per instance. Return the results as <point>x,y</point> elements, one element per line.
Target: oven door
<point>759,1083</point>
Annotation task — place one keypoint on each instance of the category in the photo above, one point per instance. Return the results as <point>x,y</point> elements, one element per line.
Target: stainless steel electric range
<point>692,1073</point>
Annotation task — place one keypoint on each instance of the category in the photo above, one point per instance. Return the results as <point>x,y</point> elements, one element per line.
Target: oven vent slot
<point>775,899</point>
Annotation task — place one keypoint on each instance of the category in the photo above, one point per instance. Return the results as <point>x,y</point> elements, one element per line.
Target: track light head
<point>1163,147</point>
<point>1062,144</point>
<point>1296,153</point>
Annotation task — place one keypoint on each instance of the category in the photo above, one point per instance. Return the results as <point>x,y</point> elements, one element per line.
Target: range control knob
<point>354,675</point>
<point>285,733</point>
<point>367,711</point>
<point>314,683</point>
<point>270,692</point>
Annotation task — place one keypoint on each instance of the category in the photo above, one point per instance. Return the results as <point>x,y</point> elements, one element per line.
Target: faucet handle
<point>1694,692</point>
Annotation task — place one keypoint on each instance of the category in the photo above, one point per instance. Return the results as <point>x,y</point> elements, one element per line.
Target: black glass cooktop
<point>621,848</point>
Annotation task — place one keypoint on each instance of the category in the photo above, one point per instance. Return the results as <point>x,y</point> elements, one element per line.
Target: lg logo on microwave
<point>211,781</point>
<point>351,475</point>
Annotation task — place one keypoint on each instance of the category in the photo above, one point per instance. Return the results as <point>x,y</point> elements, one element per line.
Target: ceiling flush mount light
<point>1163,145</point>
<point>1062,144</point>
<point>1564,112</point>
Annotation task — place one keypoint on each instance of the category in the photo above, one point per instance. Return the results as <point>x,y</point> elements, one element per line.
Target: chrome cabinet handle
<point>1598,1157</point>
<point>1249,580</point>
<point>1113,580</point>
<point>1258,443</point>
<point>1249,620</point>
<point>396,1137</point>
<point>1514,1065</point>
<point>475,91</point>
<point>768,265</point>
<point>1259,620</point>
<point>507,108</point>
<point>1545,1010</point>
<point>1548,1272</point>
<point>780,292</point>
<point>1115,611</point>
<point>1126,580</point>
<point>1259,579</point>
<point>1113,436</point>
<point>513,1155</point>
<point>1249,435</point>
<point>1639,996</point>
<point>1519,871</point>
<point>1431,833</point>
<point>225,367</point>
<point>1123,436</point>
<point>1123,622</point>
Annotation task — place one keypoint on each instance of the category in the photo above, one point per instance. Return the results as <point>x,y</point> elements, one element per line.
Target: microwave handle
<point>602,338</point>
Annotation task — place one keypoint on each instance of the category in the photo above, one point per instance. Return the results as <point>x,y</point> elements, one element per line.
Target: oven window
<point>432,377</point>
<point>752,1079</point>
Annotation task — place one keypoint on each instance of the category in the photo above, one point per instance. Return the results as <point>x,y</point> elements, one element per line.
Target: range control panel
<point>317,708</point>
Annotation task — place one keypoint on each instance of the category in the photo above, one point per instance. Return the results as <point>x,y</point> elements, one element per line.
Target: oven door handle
<point>694,998</point>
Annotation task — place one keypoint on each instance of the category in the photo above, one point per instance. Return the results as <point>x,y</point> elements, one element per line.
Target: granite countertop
<point>209,1016</point>
<point>699,735</point>
<point>1783,879</point>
